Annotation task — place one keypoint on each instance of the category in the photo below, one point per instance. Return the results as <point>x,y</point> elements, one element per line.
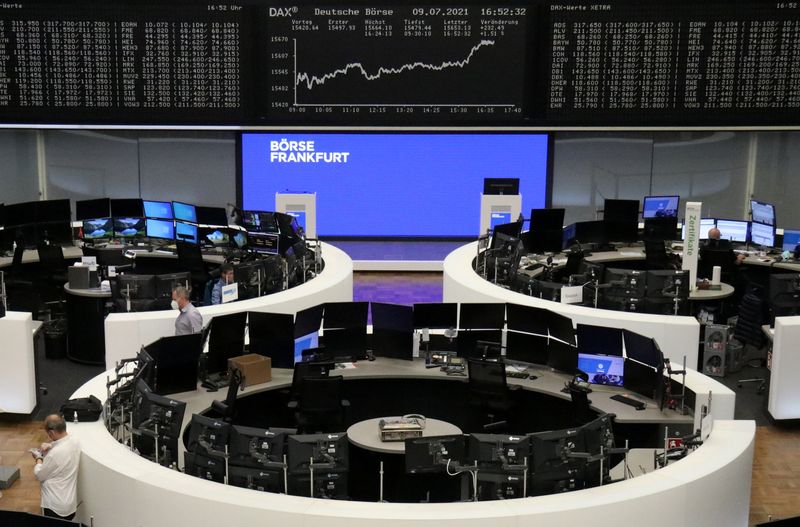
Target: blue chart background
<point>397,184</point>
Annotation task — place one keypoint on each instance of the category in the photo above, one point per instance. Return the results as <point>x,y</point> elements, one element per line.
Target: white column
<point>691,242</point>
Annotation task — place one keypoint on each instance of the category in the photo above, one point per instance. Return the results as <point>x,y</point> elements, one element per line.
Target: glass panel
<point>777,170</point>
<point>18,177</point>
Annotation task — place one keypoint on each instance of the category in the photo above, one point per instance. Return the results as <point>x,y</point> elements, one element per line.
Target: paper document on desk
<point>631,254</point>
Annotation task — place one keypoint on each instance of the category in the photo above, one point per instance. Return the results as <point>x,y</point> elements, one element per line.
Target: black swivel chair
<point>190,258</point>
<point>489,393</point>
<point>304,370</point>
<point>748,331</point>
<point>319,406</point>
<point>227,408</point>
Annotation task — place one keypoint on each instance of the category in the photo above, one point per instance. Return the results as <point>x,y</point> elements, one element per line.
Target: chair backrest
<point>51,256</point>
<point>305,370</point>
<point>487,377</point>
<point>189,256</point>
<point>321,395</point>
<point>710,257</point>
<point>207,290</point>
<point>751,317</point>
<point>655,254</point>
<point>573,265</point>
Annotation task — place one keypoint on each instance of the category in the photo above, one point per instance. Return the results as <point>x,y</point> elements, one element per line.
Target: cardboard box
<point>255,368</point>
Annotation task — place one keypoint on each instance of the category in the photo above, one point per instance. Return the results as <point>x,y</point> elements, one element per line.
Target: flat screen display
<point>127,208</point>
<point>160,229</point>
<point>90,209</point>
<point>98,228</point>
<point>763,212</point>
<point>661,206</point>
<point>185,232</point>
<point>705,225</point>
<point>602,369</point>
<point>733,230</point>
<point>761,234</point>
<point>129,227</point>
<point>392,184</point>
<point>791,239</point>
<point>158,209</point>
<point>184,212</point>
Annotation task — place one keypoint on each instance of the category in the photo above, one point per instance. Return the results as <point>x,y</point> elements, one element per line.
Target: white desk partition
<point>784,390</point>
<point>305,203</point>
<point>17,366</point>
<point>499,203</point>
<point>126,333</point>
<point>678,336</point>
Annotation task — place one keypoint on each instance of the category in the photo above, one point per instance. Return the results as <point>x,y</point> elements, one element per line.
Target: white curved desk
<point>678,336</point>
<point>126,333</point>
<point>117,488</point>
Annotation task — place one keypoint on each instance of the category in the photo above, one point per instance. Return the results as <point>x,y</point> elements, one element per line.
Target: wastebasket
<point>55,338</point>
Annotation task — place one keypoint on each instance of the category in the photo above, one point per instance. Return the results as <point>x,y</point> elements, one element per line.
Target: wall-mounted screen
<point>392,184</point>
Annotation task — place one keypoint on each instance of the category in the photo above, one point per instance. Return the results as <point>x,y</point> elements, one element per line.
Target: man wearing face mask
<point>225,278</point>
<point>57,469</point>
<point>189,320</point>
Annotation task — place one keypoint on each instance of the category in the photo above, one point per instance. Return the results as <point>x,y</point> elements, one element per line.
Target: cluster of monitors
<point>267,230</point>
<point>257,458</point>
<point>128,219</point>
<point>657,292</point>
<point>36,221</point>
<point>553,461</point>
<point>142,290</point>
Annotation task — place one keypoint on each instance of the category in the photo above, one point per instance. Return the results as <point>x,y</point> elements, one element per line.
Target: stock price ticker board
<point>523,63</point>
<point>398,63</point>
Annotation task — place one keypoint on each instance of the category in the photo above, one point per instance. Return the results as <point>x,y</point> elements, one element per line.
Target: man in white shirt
<point>189,319</point>
<point>57,470</point>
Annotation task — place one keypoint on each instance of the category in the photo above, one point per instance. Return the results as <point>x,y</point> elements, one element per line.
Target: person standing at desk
<point>57,470</point>
<point>225,278</point>
<point>189,320</point>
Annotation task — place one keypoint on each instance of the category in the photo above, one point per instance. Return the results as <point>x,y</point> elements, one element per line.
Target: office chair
<point>207,291</point>
<point>52,270</point>
<point>488,391</point>
<point>190,258</point>
<point>717,256</point>
<point>304,370</point>
<point>319,406</point>
<point>581,411</point>
<point>748,331</point>
<point>227,409</point>
<point>655,255</point>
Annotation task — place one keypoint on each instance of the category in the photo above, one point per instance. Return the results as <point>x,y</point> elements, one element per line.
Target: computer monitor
<point>167,415</point>
<point>546,231</point>
<point>621,218</point>
<point>213,237</point>
<point>668,284</point>
<point>165,283</point>
<point>161,210</point>
<point>137,286</point>
<point>436,315</point>
<point>263,243</point>
<point>392,330</point>
<point>498,450</point>
<point>430,455</point>
<point>259,221</point>
<point>257,447</point>
<point>512,229</point>
<point>523,347</point>
<point>501,186</point>
<point>560,327</point>
<point>345,315</point>
<point>308,320</point>
<point>216,216</point>
<point>186,232</point>
<point>226,340</point>
<point>552,467</point>
<point>129,227</point>
<point>762,234</point>
<point>204,467</point>
<point>561,356</point>
<point>97,229</point>
<point>642,349</point>
<point>174,363</point>
<point>660,206</point>
<point>20,214</point>
<point>208,436</point>
<point>272,335</point>
<point>184,212</point>
<point>329,452</point>
<point>90,209</point>
<point>598,438</point>
<point>763,212</point>
<point>602,369</point>
<point>644,380</point>
<point>599,340</point>
<point>159,229</point>
<point>53,210</point>
<point>328,484</point>
<point>304,343</point>
<point>127,208</point>
<point>791,239</point>
<point>706,224</point>
<point>527,319</point>
<point>733,230</point>
<point>626,282</point>
<point>239,239</point>
<point>663,228</point>
<point>784,294</point>
<point>261,479</point>
<point>482,316</point>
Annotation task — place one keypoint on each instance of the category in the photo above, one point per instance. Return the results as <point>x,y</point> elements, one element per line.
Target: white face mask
<point>174,304</point>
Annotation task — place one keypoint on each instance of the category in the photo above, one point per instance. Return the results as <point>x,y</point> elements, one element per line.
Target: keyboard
<point>517,374</point>
<point>639,405</point>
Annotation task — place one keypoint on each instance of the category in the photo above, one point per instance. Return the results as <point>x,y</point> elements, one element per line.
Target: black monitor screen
<point>345,315</point>
<point>165,283</point>
<point>784,293</point>
<point>505,186</point>
<point>624,210</point>
<point>662,228</point>
<point>599,340</point>
<point>553,470</point>
<point>562,357</point>
<point>92,208</point>
<point>127,208</point>
<point>668,284</point>
<point>53,210</point>
<point>129,228</point>
<point>512,229</point>
<point>259,221</point>
<point>395,317</point>
<point>212,216</point>
<point>561,327</point>
<point>642,379</point>
<point>20,214</point>
<point>226,341</point>
<point>498,450</point>
<point>482,316</point>
<point>435,316</point>
<point>207,435</point>
<point>547,219</point>
<point>430,454</point>
<point>272,335</point>
<point>137,286</point>
<point>308,321</point>
<point>158,209</point>
<point>260,479</point>
<point>590,232</point>
<point>205,467</point>
<point>186,232</point>
<point>329,451</point>
<point>97,228</point>
<point>526,318</point>
<point>763,212</point>
<point>642,349</point>
<point>175,363</point>
<point>660,206</point>
<point>257,447</point>
<point>184,211</point>
<point>523,347</point>
<point>626,282</point>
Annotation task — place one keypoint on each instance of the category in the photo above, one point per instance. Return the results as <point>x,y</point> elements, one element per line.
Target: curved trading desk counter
<point>678,336</point>
<point>117,487</point>
<point>126,333</point>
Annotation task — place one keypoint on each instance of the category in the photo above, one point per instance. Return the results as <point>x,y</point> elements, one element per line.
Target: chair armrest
<point>292,405</point>
<point>345,403</point>
<point>219,406</point>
